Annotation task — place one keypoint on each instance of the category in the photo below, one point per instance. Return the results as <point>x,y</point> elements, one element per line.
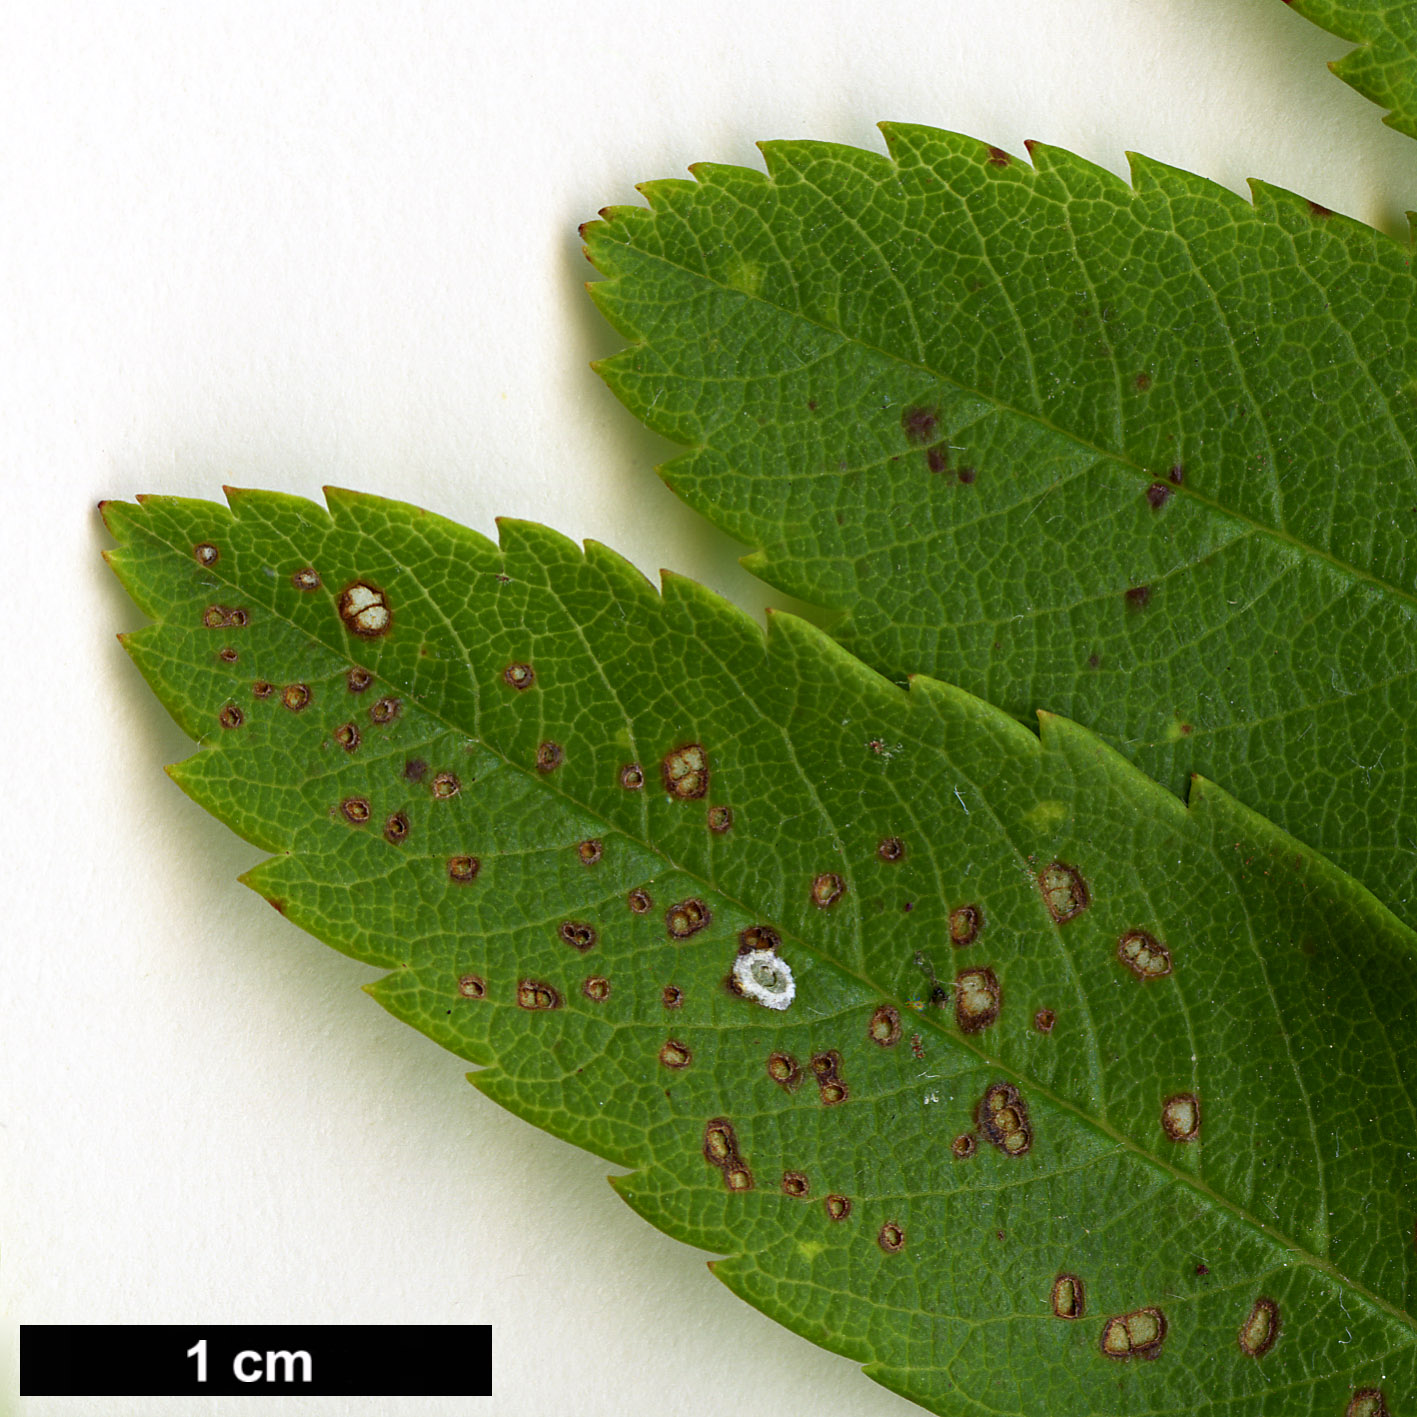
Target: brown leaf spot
<point>356,810</point>
<point>472,986</point>
<point>685,771</point>
<point>347,736</point>
<point>396,829</point>
<point>1002,1116</point>
<point>1137,597</point>
<point>687,918</point>
<point>884,1027</point>
<point>463,869</point>
<point>891,848</point>
<point>231,717</point>
<point>937,460</point>
<point>1177,474</point>
<point>358,680</point>
<point>222,617</point>
<point>963,1146</point>
<point>536,994</point>
<point>1139,1334</point>
<point>206,553</point>
<point>1323,213</point>
<point>519,676</point>
<point>836,1207</point>
<point>758,937</point>
<point>227,655</point>
<point>445,785</point>
<point>589,851</point>
<point>364,610</point>
<point>549,756</point>
<point>640,901</point>
<point>830,1084</point>
<point>827,889</point>
<point>1261,1329</point>
<point>785,1071</point>
<point>308,578</point>
<point>578,934</point>
<point>1044,1020</point>
<point>1064,891</point>
<point>632,777</point>
<point>966,476</point>
<point>1158,494</point>
<point>891,1238</point>
<point>999,158</point>
<point>795,1183</point>
<point>675,1054</point>
<point>672,997</point>
<point>1181,1116</point>
<point>385,710</point>
<point>965,924</point>
<point>1069,1297</point>
<point>977,999</point>
<point>720,819</point>
<point>1367,1402</point>
<point>262,690</point>
<point>415,770</point>
<point>1144,955</point>
<point>296,697</point>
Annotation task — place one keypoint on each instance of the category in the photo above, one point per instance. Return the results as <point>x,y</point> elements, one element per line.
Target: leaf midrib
<point>1118,1138</point>
<point>1120,460</point>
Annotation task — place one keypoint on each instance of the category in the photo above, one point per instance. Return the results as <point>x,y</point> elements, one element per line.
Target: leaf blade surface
<point>1384,66</point>
<point>1140,454</point>
<point>940,1274</point>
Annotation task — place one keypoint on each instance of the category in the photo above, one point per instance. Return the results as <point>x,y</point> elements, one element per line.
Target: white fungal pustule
<point>765,977</point>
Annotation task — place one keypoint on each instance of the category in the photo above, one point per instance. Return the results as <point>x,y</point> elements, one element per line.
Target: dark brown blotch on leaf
<point>999,158</point>
<point>415,770</point>
<point>1137,597</point>
<point>1158,494</point>
<point>920,424</point>
<point>937,459</point>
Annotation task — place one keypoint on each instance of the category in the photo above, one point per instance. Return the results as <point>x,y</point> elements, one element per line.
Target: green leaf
<point>556,806</point>
<point>1384,67</point>
<point>1142,455</point>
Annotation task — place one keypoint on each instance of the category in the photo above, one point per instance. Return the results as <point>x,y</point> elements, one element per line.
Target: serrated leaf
<point>1384,66</point>
<point>1072,1076</point>
<point>1142,455</point>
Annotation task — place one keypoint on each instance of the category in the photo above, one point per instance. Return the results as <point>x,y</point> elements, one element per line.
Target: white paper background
<point>287,244</point>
